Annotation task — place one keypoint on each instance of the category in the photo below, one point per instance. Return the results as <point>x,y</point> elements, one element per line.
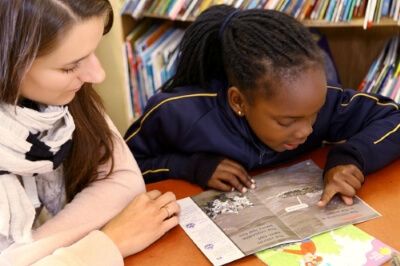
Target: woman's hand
<point>230,175</point>
<point>149,216</point>
<point>343,179</point>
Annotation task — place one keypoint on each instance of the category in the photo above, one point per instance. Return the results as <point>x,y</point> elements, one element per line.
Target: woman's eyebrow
<point>77,60</point>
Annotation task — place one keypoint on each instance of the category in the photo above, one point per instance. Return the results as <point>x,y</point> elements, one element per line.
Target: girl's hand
<point>343,179</point>
<point>230,175</point>
<point>149,216</point>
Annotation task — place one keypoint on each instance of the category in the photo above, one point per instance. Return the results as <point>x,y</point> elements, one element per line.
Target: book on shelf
<point>151,51</point>
<point>383,75</point>
<point>316,10</point>
<point>282,208</point>
<point>129,66</point>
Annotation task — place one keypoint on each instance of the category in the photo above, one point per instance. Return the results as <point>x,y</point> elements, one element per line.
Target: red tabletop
<point>381,191</point>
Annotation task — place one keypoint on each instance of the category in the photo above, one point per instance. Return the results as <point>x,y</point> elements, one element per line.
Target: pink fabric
<point>95,249</point>
<point>72,233</point>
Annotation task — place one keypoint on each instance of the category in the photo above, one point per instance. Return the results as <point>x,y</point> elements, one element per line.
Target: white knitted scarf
<point>33,145</point>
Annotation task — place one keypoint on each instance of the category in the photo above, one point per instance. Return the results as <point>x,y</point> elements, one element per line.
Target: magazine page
<point>207,236</point>
<point>244,219</point>
<point>292,194</point>
<point>281,209</point>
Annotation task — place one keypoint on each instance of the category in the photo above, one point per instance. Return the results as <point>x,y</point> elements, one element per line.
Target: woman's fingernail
<point>253,186</point>
<point>253,181</point>
<point>233,189</point>
<point>244,190</point>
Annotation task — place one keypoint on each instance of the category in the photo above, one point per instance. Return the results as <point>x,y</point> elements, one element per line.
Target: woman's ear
<point>237,101</point>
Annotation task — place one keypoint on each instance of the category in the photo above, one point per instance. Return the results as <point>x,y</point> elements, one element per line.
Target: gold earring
<point>239,113</point>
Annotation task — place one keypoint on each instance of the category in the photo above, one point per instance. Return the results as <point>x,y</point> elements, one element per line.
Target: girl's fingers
<point>235,183</point>
<point>219,185</point>
<point>238,171</point>
<point>347,183</point>
<point>331,189</point>
<point>327,195</point>
<point>354,171</point>
<point>239,167</point>
<point>354,182</point>
<point>347,200</point>
<point>359,175</point>
<point>347,190</point>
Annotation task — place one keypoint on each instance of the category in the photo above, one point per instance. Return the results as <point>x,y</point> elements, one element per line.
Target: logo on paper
<point>190,225</point>
<point>209,246</point>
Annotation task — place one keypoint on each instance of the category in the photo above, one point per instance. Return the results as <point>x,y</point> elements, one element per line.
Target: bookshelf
<point>353,50</point>
<point>357,22</point>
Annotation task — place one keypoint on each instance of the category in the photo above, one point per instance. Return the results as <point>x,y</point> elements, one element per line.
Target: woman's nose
<point>92,71</point>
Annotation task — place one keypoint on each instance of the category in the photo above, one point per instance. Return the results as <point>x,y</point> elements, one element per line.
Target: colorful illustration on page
<point>348,245</point>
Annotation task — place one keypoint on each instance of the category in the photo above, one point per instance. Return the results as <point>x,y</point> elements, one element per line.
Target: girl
<point>250,91</point>
<point>61,155</point>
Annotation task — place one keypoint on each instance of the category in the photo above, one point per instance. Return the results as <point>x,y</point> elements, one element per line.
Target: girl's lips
<point>290,146</point>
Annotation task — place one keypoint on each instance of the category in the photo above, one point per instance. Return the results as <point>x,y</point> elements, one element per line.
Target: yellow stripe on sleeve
<point>335,88</point>
<point>387,134</point>
<point>372,98</point>
<point>155,171</point>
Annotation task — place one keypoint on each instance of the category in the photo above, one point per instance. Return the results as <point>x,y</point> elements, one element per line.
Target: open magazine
<point>283,208</point>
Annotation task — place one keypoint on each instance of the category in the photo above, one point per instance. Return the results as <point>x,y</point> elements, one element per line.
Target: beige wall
<point>113,90</point>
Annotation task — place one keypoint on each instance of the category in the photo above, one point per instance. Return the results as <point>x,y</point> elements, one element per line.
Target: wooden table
<point>381,191</point>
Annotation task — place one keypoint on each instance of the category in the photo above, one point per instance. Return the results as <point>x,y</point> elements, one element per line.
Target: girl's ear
<point>237,101</point>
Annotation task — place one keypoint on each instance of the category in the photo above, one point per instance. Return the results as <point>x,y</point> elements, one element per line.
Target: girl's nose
<point>304,131</point>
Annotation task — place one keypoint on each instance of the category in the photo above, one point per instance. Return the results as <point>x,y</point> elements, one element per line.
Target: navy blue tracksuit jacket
<point>185,134</point>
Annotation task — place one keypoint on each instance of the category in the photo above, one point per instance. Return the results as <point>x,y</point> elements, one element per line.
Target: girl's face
<point>55,78</point>
<point>284,121</point>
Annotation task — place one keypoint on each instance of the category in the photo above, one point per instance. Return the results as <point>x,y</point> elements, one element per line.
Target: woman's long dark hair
<point>244,48</point>
<point>33,28</point>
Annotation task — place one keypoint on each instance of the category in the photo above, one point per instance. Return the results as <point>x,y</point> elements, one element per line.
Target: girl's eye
<point>70,70</point>
<point>285,123</point>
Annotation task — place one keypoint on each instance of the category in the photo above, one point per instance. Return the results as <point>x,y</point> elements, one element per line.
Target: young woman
<point>250,91</point>
<point>62,158</point>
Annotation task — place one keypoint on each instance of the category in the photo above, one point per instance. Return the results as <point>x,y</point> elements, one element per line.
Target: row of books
<point>151,52</point>
<point>327,10</point>
<point>383,76</point>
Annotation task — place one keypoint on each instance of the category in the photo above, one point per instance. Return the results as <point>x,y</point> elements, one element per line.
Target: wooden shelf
<point>358,22</point>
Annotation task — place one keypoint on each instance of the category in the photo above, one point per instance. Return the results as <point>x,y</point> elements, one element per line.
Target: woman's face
<point>284,121</point>
<point>55,78</point>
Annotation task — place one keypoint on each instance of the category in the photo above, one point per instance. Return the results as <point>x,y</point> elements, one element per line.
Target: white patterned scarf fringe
<point>33,144</point>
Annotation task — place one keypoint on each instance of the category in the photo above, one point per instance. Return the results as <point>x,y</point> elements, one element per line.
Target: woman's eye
<point>71,69</point>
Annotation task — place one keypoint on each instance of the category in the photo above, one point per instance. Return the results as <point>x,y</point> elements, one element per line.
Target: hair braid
<point>243,47</point>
